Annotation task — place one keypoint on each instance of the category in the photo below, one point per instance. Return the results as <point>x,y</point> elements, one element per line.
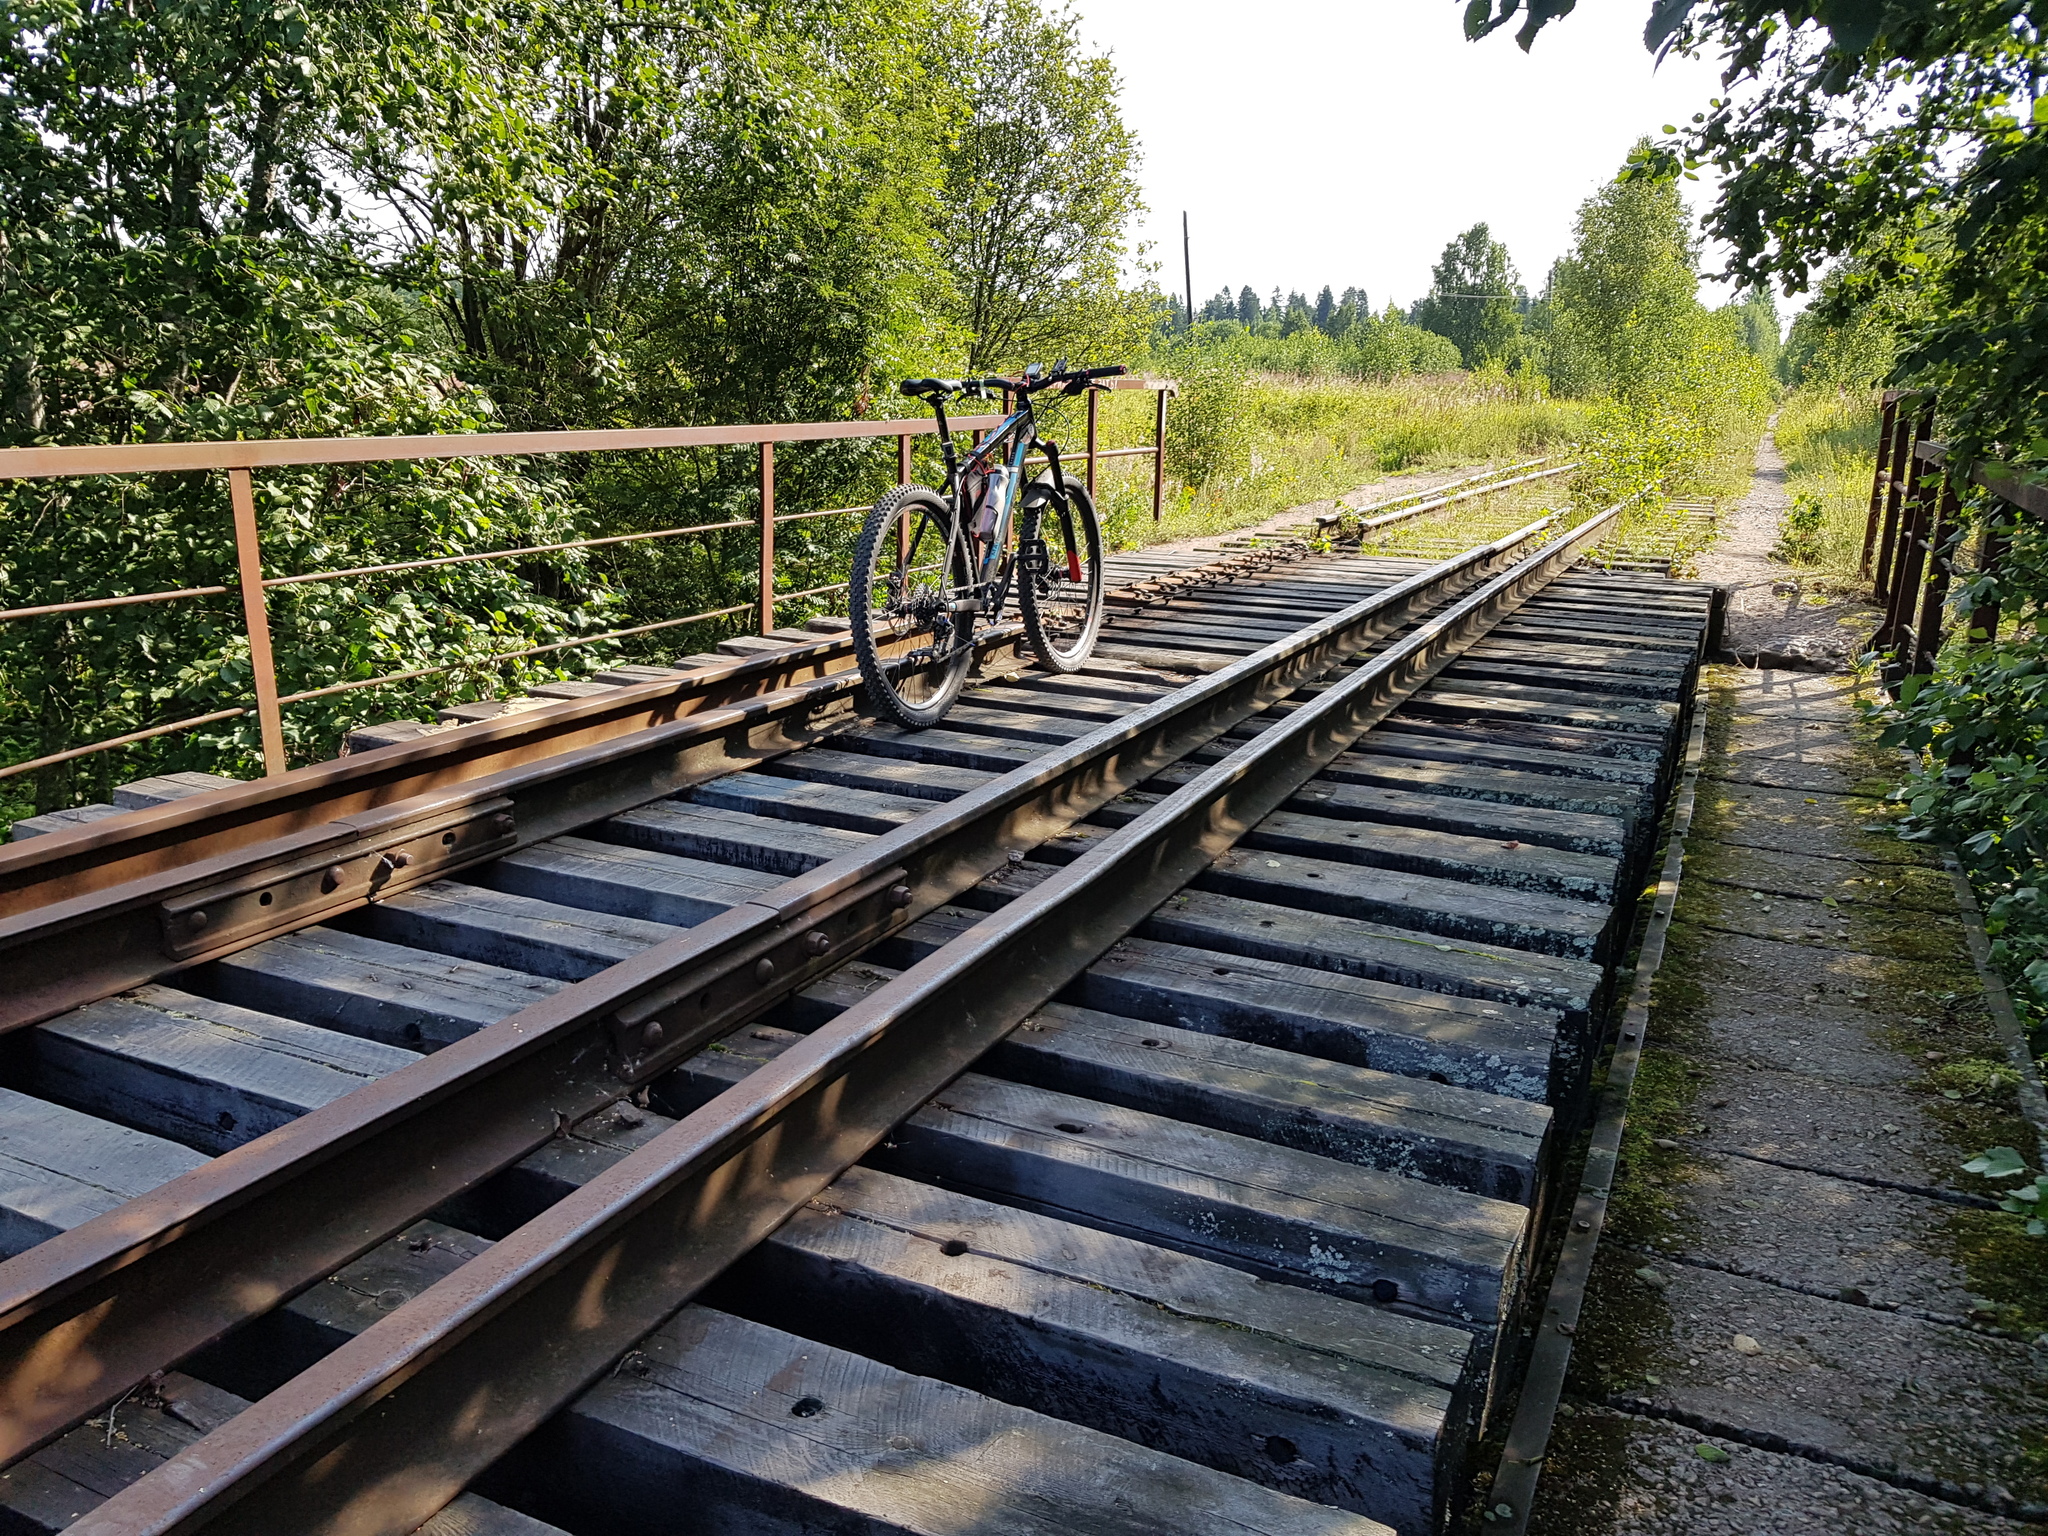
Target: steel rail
<point>390,1427</point>
<point>1346,514</point>
<point>1405,514</point>
<point>90,1312</point>
<point>160,889</point>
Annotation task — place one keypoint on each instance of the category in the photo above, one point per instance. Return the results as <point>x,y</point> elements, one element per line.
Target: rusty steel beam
<point>380,1434</point>
<point>88,1313</point>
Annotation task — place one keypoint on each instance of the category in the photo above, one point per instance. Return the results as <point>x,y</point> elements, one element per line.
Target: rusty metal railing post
<point>767,537</point>
<point>256,619</point>
<point>1916,514</point>
<point>1941,548</point>
<point>1984,617</point>
<point>1905,469</point>
<point>1094,414</point>
<point>1159,458</point>
<point>1884,459</point>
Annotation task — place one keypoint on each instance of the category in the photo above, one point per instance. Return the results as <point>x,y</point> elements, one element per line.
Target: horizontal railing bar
<point>502,554</point>
<point>85,604</point>
<point>2001,480</point>
<point>797,517</point>
<point>119,741</point>
<point>837,586</point>
<point>280,452</point>
<point>537,650</point>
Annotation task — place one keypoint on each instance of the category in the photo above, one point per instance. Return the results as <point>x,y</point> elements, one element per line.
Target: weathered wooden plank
<point>1477,722</point>
<point>960,749</point>
<point>1476,1141</point>
<point>1017,724</point>
<point>632,882</point>
<point>1349,798</point>
<point>59,1168</point>
<point>1231,925</point>
<point>60,821</point>
<point>1273,1211</point>
<point>1505,862</point>
<point>817,805</point>
<point>1561,677</point>
<point>763,843</point>
<point>163,788</point>
<point>1304,1393</point>
<point>1537,629</point>
<point>1504,699</point>
<point>62,1483</point>
<point>1534,749</point>
<point>508,931</point>
<point>1550,925</point>
<point>1627,804</point>
<point>1602,660</point>
<point>773,1435</point>
<point>204,1073</point>
<point>1499,1048</point>
<point>856,770</point>
<point>364,986</point>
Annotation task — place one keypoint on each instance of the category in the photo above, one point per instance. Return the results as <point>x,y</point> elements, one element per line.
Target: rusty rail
<point>240,461</point>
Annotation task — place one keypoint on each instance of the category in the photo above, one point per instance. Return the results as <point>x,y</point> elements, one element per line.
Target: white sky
<point>1346,141</point>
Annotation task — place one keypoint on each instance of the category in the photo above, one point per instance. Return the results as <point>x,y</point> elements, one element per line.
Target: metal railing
<point>1914,532</point>
<point>240,460</point>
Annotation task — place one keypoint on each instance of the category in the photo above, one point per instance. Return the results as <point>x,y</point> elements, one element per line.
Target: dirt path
<point>1771,619</point>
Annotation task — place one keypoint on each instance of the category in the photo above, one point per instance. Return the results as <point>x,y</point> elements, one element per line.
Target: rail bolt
<point>502,823</point>
<point>764,971</point>
<point>899,896</point>
<point>330,878</point>
<point>650,1036</point>
<point>195,921</point>
<point>816,942</point>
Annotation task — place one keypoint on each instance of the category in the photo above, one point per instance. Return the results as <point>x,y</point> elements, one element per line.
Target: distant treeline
<point>1329,312</point>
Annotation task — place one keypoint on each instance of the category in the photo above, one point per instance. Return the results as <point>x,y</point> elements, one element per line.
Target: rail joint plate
<point>288,895</point>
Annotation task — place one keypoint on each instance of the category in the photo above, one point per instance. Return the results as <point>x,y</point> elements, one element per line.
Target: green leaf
<point>1712,1453</point>
<point>1997,1163</point>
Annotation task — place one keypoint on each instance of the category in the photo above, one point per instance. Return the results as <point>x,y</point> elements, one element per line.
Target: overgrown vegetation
<point>229,220</point>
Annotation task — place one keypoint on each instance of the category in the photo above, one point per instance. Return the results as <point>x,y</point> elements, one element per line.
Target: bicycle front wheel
<point>914,642</point>
<point>1060,590</point>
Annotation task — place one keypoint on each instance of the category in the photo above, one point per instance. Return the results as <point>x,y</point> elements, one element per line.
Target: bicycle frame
<point>1016,438</point>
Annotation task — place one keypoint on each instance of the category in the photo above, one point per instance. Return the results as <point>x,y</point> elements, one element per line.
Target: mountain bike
<point>932,566</point>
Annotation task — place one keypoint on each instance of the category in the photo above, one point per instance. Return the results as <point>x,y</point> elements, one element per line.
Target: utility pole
<point>1187,267</point>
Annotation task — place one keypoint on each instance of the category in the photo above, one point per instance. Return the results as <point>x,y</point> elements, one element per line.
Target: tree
<point>1221,307</point>
<point>1326,309</point>
<point>1624,300</point>
<point>1471,301</point>
<point>1247,306</point>
<point>1039,192</point>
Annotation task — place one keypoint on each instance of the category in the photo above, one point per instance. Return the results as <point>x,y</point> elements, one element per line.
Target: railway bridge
<point>1150,1101</point>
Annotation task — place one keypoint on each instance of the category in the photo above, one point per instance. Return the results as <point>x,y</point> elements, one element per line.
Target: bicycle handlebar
<point>1073,378</point>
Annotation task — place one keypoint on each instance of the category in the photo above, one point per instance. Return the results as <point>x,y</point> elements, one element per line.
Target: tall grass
<point>1829,439</point>
<point>1303,441</point>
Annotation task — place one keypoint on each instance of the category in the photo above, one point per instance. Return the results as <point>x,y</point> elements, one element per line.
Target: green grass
<point>1829,440</point>
<point>1310,441</point>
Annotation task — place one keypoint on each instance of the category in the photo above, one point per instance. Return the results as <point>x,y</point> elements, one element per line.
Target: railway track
<point>1128,1107</point>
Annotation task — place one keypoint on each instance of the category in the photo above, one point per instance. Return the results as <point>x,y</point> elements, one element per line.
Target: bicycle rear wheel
<point>1060,574</point>
<point>908,572</point>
